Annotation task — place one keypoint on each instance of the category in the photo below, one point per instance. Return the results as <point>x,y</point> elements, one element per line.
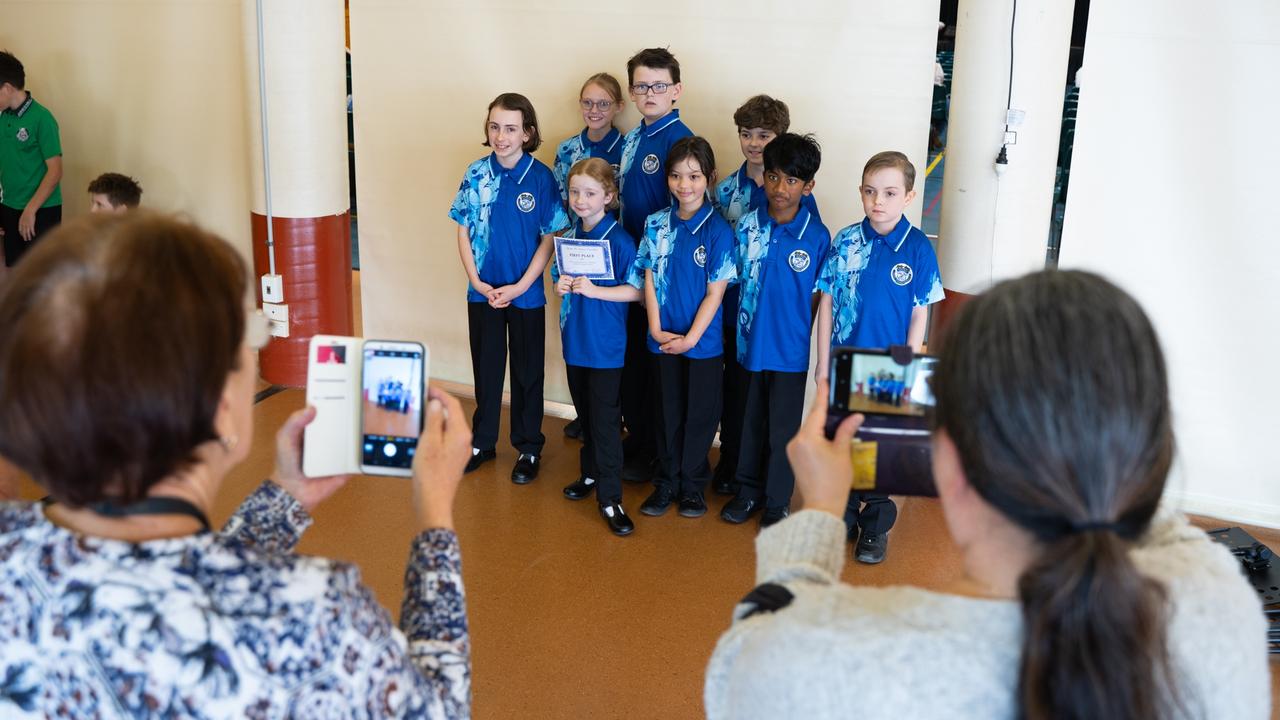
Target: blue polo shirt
<point>738,195</point>
<point>642,181</point>
<point>594,332</point>
<point>580,146</point>
<point>506,213</point>
<point>875,281</point>
<point>685,256</point>
<point>778,268</point>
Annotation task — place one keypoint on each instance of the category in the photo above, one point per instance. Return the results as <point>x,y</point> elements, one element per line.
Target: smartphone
<point>892,454</point>
<point>393,387</point>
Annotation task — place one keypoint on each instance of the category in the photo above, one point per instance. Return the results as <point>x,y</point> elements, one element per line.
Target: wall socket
<point>272,289</point>
<point>278,314</point>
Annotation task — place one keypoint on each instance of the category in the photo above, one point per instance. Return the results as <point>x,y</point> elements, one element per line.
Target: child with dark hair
<point>687,258</point>
<point>653,78</point>
<point>30,163</point>
<point>760,119</point>
<point>507,208</point>
<point>781,248</point>
<point>114,193</point>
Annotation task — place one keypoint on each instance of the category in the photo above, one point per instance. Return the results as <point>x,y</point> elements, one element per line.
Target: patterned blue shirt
<point>643,179</point>
<point>219,625</point>
<point>593,332</point>
<point>579,147</point>
<point>685,256</point>
<point>506,213</point>
<point>738,195</point>
<point>777,274</point>
<point>875,281</point>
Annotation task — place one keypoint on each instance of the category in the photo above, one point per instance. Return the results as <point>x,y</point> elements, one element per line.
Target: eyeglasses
<point>644,88</point>
<point>601,105</point>
<point>257,329</point>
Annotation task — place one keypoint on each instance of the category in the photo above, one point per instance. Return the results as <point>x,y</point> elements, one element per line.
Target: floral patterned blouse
<point>232,624</point>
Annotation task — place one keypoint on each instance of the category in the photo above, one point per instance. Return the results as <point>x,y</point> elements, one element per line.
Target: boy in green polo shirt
<point>30,163</point>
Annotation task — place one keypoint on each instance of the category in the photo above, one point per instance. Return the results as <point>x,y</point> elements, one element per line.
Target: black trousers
<point>735,379</point>
<point>637,395</point>
<point>14,246</point>
<point>872,512</point>
<point>595,394</point>
<point>773,408</point>
<point>688,409</point>
<point>491,331</point>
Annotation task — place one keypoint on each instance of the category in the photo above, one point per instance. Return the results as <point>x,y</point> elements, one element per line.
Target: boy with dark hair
<point>30,163</point>
<point>781,248</point>
<point>877,285</point>
<point>114,193</point>
<point>760,119</point>
<point>653,78</point>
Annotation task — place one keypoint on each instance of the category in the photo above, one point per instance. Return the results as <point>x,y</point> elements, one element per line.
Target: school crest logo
<point>650,164</point>
<point>798,260</point>
<point>700,256</point>
<point>23,135</point>
<point>900,274</point>
<point>525,202</point>
<point>617,170</point>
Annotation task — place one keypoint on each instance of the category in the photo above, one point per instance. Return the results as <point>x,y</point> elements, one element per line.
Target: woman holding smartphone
<point>1080,598</point>
<point>127,375</point>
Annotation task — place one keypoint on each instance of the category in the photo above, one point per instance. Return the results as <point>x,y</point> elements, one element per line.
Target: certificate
<point>590,259</point>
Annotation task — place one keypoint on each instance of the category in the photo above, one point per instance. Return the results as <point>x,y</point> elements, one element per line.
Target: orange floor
<point>567,620</point>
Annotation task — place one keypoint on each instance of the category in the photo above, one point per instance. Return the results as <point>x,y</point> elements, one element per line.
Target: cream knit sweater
<point>838,651</point>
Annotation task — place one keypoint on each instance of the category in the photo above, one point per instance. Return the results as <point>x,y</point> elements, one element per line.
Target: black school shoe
<point>617,520</point>
<point>740,510</point>
<point>658,502</point>
<point>478,458</point>
<point>526,469</point>
<point>574,429</point>
<point>871,548</point>
<point>774,515</point>
<point>692,505</point>
<point>580,489</point>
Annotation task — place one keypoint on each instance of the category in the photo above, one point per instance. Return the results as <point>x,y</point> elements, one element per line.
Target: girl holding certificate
<point>593,319</point>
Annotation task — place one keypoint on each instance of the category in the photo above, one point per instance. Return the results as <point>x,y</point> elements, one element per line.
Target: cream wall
<point>150,88</point>
<point>1172,191</point>
<point>858,74</point>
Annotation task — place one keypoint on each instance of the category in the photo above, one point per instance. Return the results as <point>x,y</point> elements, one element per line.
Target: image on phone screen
<point>392,413</point>
<point>878,385</point>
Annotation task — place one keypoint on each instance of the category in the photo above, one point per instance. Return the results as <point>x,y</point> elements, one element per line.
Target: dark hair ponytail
<point>1053,389</point>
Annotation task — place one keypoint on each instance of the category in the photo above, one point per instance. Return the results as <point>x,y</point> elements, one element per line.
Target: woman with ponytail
<point>1080,596</point>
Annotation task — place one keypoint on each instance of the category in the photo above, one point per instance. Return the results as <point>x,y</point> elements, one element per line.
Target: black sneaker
<point>658,502</point>
<point>574,429</point>
<point>740,509</point>
<point>871,548</point>
<point>526,469</point>
<point>774,515</point>
<point>580,488</point>
<point>692,505</point>
<point>478,458</point>
<point>617,520</point>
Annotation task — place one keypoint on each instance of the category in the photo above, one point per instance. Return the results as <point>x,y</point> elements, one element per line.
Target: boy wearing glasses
<point>653,76</point>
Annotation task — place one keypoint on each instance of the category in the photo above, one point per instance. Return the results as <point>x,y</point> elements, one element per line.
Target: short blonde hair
<point>892,159</point>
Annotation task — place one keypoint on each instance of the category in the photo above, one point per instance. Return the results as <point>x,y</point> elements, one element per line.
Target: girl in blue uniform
<point>593,330</point>
<point>601,100</point>
<point>687,255</point>
<point>507,208</point>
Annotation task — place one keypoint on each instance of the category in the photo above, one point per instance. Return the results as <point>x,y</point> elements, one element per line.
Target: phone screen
<point>392,415</point>
<point>871,382</point>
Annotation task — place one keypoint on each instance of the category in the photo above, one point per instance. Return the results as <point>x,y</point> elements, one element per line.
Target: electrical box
<point>278,314</point>
<point>272,289</point>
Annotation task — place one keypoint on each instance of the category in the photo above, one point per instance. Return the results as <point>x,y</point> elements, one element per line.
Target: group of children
<point>706,322</point>
<point>31,168</point>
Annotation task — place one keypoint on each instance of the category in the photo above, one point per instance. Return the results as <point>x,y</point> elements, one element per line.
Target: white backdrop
<point>858,74</point>
<point>1172,196</point>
